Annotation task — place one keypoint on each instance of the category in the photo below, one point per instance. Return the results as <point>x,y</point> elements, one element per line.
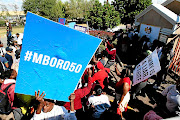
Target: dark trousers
<point>161,76</point>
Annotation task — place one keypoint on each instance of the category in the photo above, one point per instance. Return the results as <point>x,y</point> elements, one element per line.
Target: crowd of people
<point>91,101</point>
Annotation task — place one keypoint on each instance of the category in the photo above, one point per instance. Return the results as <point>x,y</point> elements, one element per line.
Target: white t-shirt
<point>173,98</point>
<point>19,39</point>
<point>55,114</point>
<point>97,100</point>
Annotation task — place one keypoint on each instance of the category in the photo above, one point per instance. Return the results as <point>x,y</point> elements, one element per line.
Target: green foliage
<point>2,23</point>
<point>95,15</point>
<point>41,7</point>
<point>76,9</point>
<point>58,10</point>
<point>31,5</point>
<point>110,16</point>
<point>128,9</point>
<point>103,16</point>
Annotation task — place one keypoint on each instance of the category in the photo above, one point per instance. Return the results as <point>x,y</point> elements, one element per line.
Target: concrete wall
<point>154,18</point>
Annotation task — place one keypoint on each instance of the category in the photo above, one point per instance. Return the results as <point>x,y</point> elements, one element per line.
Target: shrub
<point>2,23</point>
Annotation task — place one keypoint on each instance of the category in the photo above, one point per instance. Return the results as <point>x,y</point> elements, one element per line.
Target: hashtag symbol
<point>28,56</point>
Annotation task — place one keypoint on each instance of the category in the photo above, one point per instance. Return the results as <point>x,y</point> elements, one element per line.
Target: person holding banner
<point>164,62</point>
<point>138,87</point>
<point>81,93</point>
<point>49,111</point>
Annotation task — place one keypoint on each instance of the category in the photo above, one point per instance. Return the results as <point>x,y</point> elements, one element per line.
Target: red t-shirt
<point>119,85</point>
<point>100,76</point>
<point>80,93</point>
<point>112,52</point>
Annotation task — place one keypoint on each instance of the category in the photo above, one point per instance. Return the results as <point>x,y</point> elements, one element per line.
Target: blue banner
<point>53,58</point>
<point>62,21</point>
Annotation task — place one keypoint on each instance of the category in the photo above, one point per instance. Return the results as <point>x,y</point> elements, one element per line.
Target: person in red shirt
<point>122,87</point>
<point>112,54</point>
<point>80,93</point>
<point>101,74</point>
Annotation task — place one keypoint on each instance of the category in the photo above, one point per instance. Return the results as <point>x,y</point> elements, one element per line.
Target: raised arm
<point>83,92</point>
<point>94,60</point>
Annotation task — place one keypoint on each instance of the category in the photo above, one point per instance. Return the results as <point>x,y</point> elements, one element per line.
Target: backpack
<point>5,105</point>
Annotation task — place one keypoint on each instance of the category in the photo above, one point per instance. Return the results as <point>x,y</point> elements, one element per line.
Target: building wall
<point>154,18</point>
<point>174,6</point>
<point>178,30</point>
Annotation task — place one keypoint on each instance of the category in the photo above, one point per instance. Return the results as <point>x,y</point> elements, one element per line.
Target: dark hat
<point>9,49</point>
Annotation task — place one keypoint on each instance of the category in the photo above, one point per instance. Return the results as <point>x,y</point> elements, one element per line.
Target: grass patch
<point>17,29</point>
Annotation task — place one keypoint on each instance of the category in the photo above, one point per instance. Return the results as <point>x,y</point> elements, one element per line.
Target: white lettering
<point>46,60</point>
<point>72,67</point>
<point>78,68</point>
<point>59,63</point>
<point>37,59</point>
<point>66,65</point>
<point>53,62</point>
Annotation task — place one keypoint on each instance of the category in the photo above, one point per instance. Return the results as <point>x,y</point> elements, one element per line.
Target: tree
<point>41,7</point>
<point>31,5</point>
<point>76,9</point>
<point>102,16</point>
<point>4,12</point>
<point>15,8</point>
<point>95,15</point>
<point>128,9</point>
<point>46,7</point>
<point>110,16</point>
<point>58,10</point>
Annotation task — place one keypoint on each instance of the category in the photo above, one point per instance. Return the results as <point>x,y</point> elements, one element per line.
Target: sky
<point>9,3</point>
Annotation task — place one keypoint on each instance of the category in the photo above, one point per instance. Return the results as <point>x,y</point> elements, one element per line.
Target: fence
<point>175,61</point>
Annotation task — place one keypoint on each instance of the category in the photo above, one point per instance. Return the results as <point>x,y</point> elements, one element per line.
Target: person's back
<point>4,61</point>
<point>119,85</point>
<point>99,102</point>
<point>173,97</point>
<point>9,59</point>
<point>10,84</point>
<point>11,89</point>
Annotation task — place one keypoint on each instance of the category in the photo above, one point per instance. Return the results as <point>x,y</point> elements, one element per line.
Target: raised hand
<point>72,96</point>
<point>40,98</point>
